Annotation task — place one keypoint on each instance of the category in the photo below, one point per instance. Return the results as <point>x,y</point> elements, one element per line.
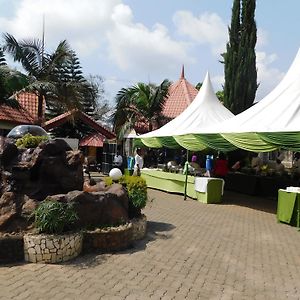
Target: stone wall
<point>107,240</point>
<point>45,248</point>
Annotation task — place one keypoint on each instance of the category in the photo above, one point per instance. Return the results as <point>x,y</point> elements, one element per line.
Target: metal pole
<point>186,169</point>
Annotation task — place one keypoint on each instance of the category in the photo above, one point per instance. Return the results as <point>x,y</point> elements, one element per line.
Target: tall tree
<point>39,66</point>
<point>240,59</point>
<point>89,91</point>
<point>141,103</point>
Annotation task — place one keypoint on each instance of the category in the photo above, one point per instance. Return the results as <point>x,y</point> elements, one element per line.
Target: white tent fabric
<point>205,111</point>
<point>279,111</point>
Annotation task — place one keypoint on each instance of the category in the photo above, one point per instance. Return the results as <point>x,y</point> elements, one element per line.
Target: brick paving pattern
<point>192,251</point>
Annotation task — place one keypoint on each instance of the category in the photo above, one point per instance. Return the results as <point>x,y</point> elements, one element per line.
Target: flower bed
<point>46,248</point>
<point>108,239</point>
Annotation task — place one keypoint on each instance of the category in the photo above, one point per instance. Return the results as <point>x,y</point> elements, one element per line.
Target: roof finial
<point>182,72</point>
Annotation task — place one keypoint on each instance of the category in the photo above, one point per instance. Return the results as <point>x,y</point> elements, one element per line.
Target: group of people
<point>138,162</point>
<point>221,166</point>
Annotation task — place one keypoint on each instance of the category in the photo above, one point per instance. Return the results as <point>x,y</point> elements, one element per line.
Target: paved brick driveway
<point>192,251</point>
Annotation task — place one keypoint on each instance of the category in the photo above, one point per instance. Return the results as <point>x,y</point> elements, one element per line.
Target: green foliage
<point>240,59</point>
<point>30,141</point>
<point>137,190</point>
<point>54,217</point>
<point>39,66</point>
<point>108,181</point>
<point>141,103</point>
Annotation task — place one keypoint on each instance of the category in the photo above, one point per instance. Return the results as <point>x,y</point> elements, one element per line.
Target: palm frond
<point>27,52</point>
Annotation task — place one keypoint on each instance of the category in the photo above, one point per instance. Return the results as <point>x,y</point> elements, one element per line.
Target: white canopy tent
<point>271,123</point>
<point>205,111</point>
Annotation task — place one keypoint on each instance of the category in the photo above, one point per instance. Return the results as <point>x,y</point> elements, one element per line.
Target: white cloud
<point>267,76</point>
<point>82,23</point>
<point>134,46</point>
<point>207,28</point>
<point>105,27</point>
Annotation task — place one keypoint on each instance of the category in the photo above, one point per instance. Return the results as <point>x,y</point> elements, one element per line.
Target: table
<point>209,190</point>
<point>266,186</point>
<point>169,182</point>
<point>242,183</point>
<point>288,208</point>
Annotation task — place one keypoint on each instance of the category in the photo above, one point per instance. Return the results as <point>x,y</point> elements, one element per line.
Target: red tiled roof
<point>181,95</point>
<point>63,118</point>
<point>93,140</point>
<point>15,116</point>
<point>30,102</point>
<point>26,114</point>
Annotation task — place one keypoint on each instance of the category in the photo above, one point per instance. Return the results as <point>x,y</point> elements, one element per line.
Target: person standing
<point>139,162</point>
<point>118,161</point>
<point>221,166</point>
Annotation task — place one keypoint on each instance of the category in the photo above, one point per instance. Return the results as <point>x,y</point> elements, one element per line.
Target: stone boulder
<point>9,154</point>
<point>98,208</point>
<point>48,169</point>
<point>15,212</point>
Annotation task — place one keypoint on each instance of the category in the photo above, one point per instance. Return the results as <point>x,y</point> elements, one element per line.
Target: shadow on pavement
<point>254,202</point>
<point>86,261</point>
<point>155,230</point>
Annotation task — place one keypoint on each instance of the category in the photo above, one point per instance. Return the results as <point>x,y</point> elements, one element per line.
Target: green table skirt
<point>169,182</point>
<point>288,208</point>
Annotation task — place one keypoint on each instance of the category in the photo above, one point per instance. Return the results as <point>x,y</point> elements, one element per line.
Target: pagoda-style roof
<point>181,95</point>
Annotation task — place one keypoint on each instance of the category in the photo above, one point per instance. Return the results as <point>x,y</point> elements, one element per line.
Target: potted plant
<point>55,242</point>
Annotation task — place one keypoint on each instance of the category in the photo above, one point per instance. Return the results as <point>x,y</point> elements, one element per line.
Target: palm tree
<point>10,82</point>
<point>141,103</point>
<point>39,66</point>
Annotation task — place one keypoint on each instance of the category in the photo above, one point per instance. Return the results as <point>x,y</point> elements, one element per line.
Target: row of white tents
<point>272,123</point>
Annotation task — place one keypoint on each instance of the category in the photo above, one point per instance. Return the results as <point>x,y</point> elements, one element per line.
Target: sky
<point>130,41</point>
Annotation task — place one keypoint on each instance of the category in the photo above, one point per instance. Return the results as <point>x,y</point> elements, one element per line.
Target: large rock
<point>15,212</point>
<point>48,169</point>
<point>9,154</point>
<point>98,208</point>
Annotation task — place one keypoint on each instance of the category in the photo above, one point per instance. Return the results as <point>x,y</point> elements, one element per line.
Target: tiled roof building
<point>26,114</point>
<point>181,95</point>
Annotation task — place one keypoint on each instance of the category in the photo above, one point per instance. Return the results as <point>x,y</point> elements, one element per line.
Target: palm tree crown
<point>141,103</point>
<point>38,65</point>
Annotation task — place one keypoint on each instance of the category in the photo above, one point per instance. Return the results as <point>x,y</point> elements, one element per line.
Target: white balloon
<point>115,174</point>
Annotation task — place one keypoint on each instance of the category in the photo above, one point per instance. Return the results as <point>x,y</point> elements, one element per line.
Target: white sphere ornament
<point>115,174</point>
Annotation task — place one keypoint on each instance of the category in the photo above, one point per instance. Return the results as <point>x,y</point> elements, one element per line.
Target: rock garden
<point>50,214</point>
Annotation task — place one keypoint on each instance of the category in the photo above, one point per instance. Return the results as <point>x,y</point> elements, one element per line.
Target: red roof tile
<point>15,116</point>
<point>93,140</point>
<point>29,101</point>
<point>27,114</point>
<point>181,95</point>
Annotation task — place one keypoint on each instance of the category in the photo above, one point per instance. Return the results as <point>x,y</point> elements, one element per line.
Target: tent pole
<point>186,169</point>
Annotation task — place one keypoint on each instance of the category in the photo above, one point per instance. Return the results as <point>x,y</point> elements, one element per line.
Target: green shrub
<point>137,190</point>
<point>30,141</point>
<point>108,181</point>
<point>137,193</point>
<point>54,217</point>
